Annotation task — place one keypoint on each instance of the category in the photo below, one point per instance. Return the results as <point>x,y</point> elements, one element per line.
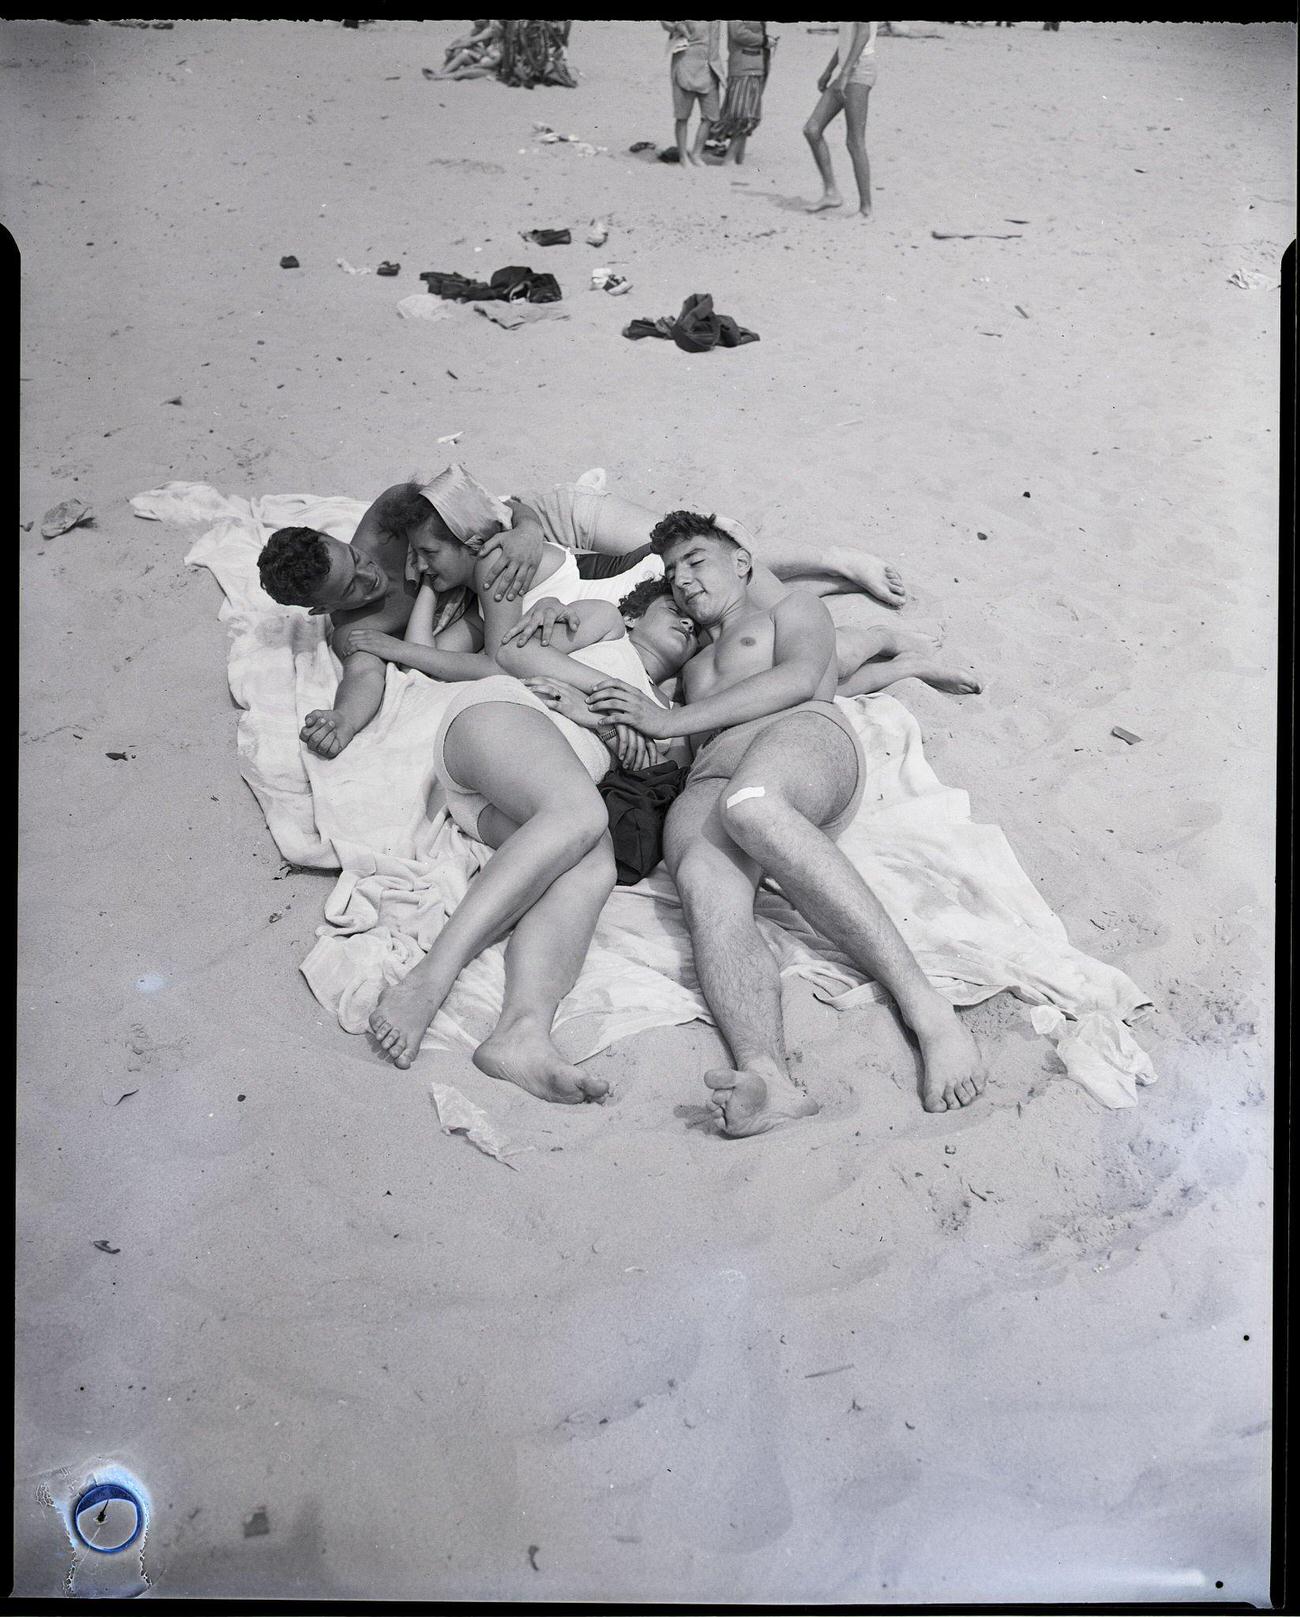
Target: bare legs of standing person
<point>853,103</point>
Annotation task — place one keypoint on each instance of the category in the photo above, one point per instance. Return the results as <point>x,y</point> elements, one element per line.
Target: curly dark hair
<point>680,525</point>
<point>293,565</point>
<point>403,509</point>
<point>634,603</point>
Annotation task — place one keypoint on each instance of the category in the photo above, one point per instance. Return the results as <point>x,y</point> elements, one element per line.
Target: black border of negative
<point>1281,1586</point>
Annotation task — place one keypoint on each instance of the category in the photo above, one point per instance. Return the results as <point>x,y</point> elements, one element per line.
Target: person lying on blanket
<point>777,773</point>
<point>371,583</point>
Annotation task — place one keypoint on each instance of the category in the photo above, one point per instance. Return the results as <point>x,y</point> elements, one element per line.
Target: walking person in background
<point>749,57</point>
<point>696,74</point>
<point>845,87</point>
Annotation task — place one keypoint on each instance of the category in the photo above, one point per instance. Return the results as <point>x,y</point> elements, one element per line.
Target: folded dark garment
<point>636,802</point>
<point>548,238</point>
<point>696,329</point>
<point>514,283</point>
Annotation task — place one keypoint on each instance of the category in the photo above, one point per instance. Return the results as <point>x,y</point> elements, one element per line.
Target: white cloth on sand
<point>975,922</point>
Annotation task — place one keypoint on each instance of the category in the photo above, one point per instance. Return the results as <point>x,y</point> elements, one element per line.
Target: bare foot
<point>402,1016</point>
<point>953,1072</point>
<point>879,579</point>
<point>864,213</point>
<point>751,1102</point>
<point>923,665</point>
<point>523,1054</point>
<point>832,199</point>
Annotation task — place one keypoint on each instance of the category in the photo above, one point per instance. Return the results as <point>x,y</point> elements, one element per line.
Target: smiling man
<point>778,772</point>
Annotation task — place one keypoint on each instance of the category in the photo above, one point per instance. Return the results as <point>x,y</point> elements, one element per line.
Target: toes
<point>593,1088</point>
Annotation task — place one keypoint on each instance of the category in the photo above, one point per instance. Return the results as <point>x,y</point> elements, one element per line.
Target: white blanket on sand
<point>970,914</point>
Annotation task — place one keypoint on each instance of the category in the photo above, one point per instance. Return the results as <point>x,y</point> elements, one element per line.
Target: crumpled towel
<point>696,329</point>
<point>511,315</point>
<point>954,889</point>
<point>426,306</point>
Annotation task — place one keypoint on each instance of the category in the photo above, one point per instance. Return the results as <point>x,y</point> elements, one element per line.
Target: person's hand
<point>542,620</point>
<point>566,700</point>
<point>514,560</point>
<point>389,647</point>
<point>823,83</point>
<point>326,732</point>
<point>618,703</point>
<point>634,751</point>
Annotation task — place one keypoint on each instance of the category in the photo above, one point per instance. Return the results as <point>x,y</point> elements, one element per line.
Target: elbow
<point>511,659</point>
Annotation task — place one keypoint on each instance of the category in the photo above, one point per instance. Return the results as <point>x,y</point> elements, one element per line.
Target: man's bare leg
<point>561,818</point>
<point>737,972</point>
<point>543,958</point>
<point>802,765</point>
<point>856,97</point>
<point>814,132</point>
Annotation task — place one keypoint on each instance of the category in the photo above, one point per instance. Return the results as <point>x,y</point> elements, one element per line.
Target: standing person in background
<point>696,73</point>
<point>749,56</point>
<point>845,87</point>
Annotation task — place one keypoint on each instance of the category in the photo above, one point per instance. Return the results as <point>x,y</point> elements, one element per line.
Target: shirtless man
<point>777,773</point>
<point>367,583</point>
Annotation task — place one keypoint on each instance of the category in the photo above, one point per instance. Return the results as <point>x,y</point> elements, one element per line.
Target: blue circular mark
<point>95,1499</point>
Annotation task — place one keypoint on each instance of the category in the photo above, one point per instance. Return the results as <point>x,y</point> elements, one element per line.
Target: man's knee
<point>812,132</point>
<point>750,814</point>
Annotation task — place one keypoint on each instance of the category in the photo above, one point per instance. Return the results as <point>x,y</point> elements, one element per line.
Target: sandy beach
<point>1017,1353</point>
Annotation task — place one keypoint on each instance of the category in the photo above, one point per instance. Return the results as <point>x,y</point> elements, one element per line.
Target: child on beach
<point>696,74</point>
<point>845,87</point>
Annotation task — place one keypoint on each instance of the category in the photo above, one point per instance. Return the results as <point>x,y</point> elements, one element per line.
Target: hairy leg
<point>805,767</point>
<point>516,758</point>
<point>737,972</point>
<point>814,132</point>
<point>856,97</point>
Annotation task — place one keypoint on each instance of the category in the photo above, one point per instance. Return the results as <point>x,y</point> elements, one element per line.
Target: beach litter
<point>549,238</point>
<point>835,1370</point>
<point>598,234</point>
<point>425,306</point>
<point>1020,311</point>
<point>977,235</point>
<point>104,1246</point>
<point>289,262</point>
<point>257,1524</point>
<point>65,516</point>
<point>1098,1052</point>
<point>389,268</point>
<point>1253,280</point>
<point>452,437</point>
<point>459,1115</point>
<point>176,400</point>
<point>350,269</point>
<point>1125,735</point>
<point>604,279</point>
<point>114,1094</point>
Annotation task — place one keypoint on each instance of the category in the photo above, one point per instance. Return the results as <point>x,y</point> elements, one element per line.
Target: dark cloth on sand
<point>637,802</point>
<point>696,329</point>
<point>512,284</point>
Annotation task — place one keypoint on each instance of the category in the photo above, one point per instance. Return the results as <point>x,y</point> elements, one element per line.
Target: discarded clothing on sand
<point>1253,280</point>
<point>548,238</point>
<point>696,329</point>
<point>973,919</point>
<point>425,306</point>
<point>532,53</point>
<point>511,315</point>
<point>514,283</point>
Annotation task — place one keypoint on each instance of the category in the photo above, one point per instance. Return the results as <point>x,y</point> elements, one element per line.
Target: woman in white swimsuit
<point>521,779</point>
<point>845,87</point>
